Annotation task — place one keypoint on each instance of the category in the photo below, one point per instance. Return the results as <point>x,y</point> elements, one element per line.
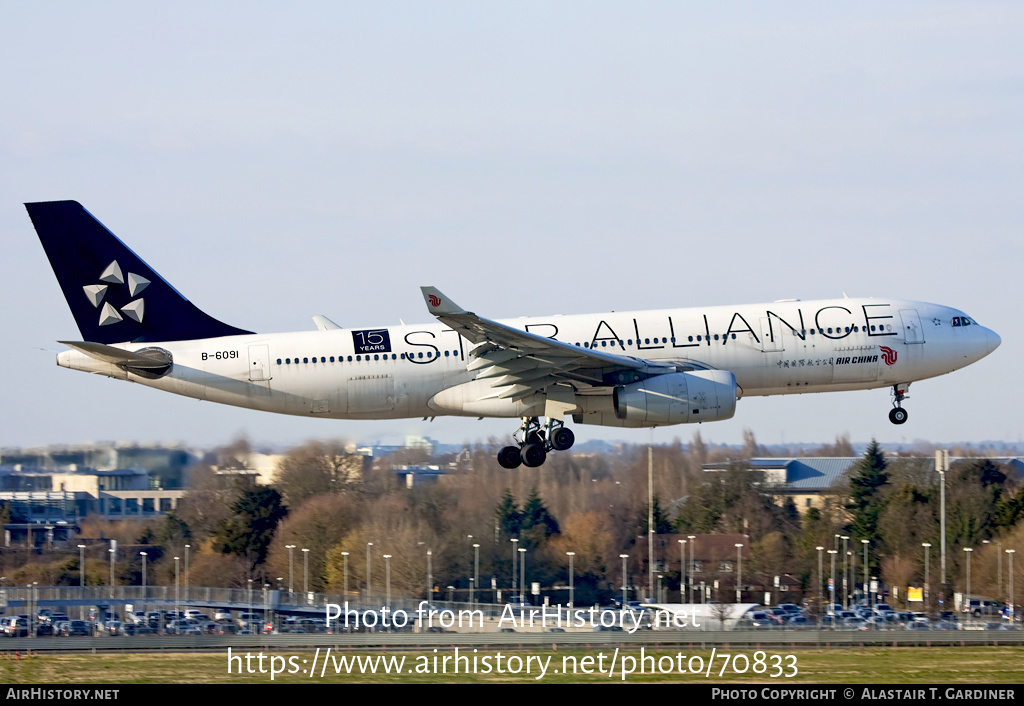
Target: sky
<point>275,161</point>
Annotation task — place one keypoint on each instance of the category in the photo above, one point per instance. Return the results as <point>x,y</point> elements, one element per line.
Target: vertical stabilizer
<point>114,296</point>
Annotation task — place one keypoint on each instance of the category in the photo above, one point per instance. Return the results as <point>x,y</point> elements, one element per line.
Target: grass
<point>934,665</point>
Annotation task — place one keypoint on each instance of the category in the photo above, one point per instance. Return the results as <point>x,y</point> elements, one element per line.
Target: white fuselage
<point>420,370</point>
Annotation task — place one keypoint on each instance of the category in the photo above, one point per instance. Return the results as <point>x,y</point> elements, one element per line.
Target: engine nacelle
<point>678,398</point>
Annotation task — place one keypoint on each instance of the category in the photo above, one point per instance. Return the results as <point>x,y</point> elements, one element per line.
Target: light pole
<point>113,553</point>
<point>682,570</point>
<point>1010,553</point>
<point>623,557</point>
<point>368,545</point>
<point>81,577</point>
<point>570,555</point>
<point>430,576</point>
<point>820,606</point>
<point>522,575</point>
<point>177,597</point>
<point>515,563</point>
<point>387,578</point>
<point>927,550</point>
<point>291,585</point>
<point>693,545</point>
<point>999,555</point>
<point>248,624</point>
<point>344,561</point>
<point>476,572</point>
<point>143,555</point>
<point>305,571</point>
<point>942,465</point>
<point>867,593</point>
<point>832,581</point>
<point>739,572</point>
<point>187,547</point>
<point>650,523</point>
<point>967,596</point>
<point>845,593</point>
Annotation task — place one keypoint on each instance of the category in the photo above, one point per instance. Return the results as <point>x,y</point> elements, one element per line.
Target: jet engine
<point>678,398</point>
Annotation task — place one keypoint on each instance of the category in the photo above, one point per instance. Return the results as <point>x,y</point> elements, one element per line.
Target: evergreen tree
<point>537,523</point>
<point>866,498</point>
<point>662,525</point>
<point>249,531</point>
<point>510,519</point>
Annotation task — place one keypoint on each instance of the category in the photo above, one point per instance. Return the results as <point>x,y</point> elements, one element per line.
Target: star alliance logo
<point>112,276</point>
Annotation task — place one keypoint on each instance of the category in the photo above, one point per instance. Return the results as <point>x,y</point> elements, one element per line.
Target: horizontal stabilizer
<point>117,356</point>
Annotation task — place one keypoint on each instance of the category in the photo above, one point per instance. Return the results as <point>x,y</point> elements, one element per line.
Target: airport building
<point>47,491</point>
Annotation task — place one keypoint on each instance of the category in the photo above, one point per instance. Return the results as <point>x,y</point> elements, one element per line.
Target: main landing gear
<point>536,441</point>
<point>898,415</point>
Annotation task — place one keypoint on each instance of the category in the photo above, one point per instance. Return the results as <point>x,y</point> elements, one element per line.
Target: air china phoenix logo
<point>111,277</point>
<point>434,300</point>
<point>888,355</point>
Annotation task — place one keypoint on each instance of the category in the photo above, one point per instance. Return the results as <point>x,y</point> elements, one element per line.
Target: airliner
<point>621,369</point>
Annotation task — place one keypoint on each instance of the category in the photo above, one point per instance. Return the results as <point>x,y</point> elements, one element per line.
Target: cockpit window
<point>961,321</point>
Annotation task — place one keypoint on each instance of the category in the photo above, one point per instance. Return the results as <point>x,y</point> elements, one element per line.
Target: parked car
<point>14,627</point>
<point>978,608</point>
<point>799,622</point>
<point>77,628</point>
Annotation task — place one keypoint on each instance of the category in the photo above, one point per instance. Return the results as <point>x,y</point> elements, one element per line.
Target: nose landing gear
<point>898,415</point>
<point>537,440</point>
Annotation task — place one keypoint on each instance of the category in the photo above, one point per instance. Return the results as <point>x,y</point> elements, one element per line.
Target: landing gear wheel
<point>562,439</point>
<point>533,455</point>
<point>898,415</point>
<point>535,437</point>
<point>509,457</point>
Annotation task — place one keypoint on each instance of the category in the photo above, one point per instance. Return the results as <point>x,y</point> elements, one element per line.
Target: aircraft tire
<point>533,455</point>
<point>898,415</point>
<point>562,439</point>
<point>509,457</point>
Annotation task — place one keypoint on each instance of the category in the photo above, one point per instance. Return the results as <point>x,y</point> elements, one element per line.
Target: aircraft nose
<point>992,340</point>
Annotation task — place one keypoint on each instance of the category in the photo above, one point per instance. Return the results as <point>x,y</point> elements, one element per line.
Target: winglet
<point>438,304</point>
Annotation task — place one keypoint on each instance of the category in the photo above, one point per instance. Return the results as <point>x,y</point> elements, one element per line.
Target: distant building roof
<point>808,475</point>
<point>820,474</point>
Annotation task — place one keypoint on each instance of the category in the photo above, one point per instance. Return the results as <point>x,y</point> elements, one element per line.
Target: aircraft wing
<point>524,363</point>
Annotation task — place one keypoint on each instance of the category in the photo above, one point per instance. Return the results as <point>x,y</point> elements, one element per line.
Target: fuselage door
<point>771,335</point>
<point>259,363</point>
<point>912,331</point>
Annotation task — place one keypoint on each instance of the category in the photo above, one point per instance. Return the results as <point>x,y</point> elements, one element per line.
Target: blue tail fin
<point>115,296</point>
